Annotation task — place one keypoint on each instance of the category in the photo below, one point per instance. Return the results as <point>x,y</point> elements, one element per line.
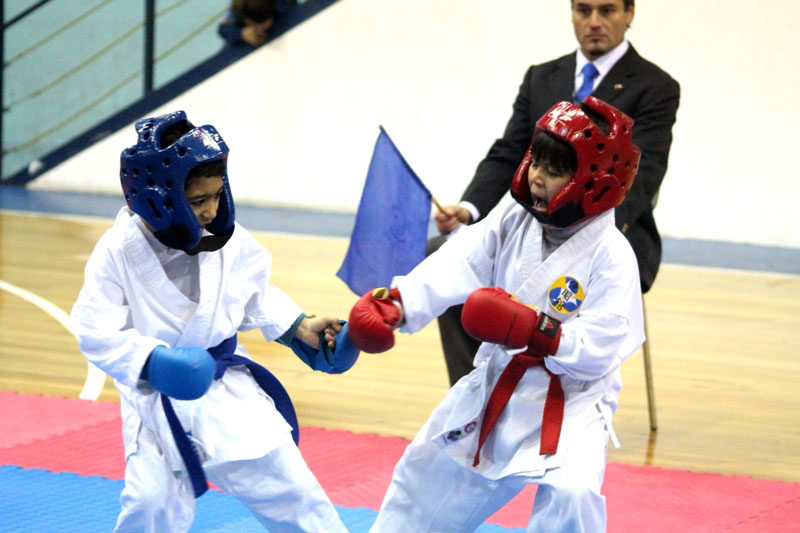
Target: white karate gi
<point>139,294</point>
<point>435,487</point>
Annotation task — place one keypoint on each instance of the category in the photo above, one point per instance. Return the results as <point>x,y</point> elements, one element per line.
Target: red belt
<point>553,414</point>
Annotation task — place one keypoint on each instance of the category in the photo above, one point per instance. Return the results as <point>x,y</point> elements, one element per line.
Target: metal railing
<point>70,65</point>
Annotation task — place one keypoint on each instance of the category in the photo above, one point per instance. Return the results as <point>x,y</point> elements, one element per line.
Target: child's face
<point>544,183</point>
<point>258,29</point>
<point>203,195</point>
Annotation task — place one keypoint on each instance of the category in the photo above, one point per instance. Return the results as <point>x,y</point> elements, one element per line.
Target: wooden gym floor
<point>725,347</point>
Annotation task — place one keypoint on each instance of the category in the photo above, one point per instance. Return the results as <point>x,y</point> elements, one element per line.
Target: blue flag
<point>391,229</point>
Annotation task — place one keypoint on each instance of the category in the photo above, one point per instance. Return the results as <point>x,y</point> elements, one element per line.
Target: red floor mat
<point>27,417</point>
<point>84,438</point>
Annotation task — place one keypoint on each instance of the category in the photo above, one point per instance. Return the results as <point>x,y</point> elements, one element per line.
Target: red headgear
<point>607,164</point>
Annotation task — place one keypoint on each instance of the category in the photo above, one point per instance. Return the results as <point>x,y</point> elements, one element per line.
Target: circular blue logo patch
<point>565,295</point>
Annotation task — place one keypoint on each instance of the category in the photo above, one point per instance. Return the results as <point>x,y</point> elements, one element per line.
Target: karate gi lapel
<point>573,251</point>
<point>200,327</point>
<point>151,276</point>
<point>194,320</point>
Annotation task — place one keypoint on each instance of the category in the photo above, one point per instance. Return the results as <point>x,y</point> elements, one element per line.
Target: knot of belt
<point>225,357</point>
<point>553,414</point>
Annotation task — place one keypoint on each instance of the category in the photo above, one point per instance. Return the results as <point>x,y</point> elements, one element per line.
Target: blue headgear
<point>153,178</point>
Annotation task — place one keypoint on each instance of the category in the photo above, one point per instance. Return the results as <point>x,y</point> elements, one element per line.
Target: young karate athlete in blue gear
<point>166,290</point>
<point>551,288</point>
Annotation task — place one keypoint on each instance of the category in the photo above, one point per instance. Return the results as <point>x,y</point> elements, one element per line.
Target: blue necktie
<point>589,72</point>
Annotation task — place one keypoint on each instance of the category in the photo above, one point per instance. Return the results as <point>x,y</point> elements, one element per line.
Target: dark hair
<point>559,155</point>
<point>628,4</point>
<point>255,10</point>
<point>204,170</point>
<point>212,169</point>
<point>175,132</point>
<point>554,153</point>
<point>598,119</point>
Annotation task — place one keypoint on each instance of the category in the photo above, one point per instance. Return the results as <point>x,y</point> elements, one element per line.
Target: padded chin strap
<point>175,236</point>
<point>211,243</point>
<point>566,216</point>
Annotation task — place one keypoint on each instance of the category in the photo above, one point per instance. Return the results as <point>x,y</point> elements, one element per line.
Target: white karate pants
<point>431,493</point>
<point>279,489</point>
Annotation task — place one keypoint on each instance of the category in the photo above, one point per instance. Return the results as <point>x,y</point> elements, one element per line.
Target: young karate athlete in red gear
<point>552,289</point>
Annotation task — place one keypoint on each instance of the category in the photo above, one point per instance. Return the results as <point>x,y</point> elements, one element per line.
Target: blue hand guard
<point>182,373</point>
<point>341,359</point>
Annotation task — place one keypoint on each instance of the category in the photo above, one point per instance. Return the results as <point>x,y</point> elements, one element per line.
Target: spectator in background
<point>247,22</point>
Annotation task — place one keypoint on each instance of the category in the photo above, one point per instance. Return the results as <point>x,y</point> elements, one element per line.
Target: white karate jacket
<point>128,306</point>
<point>598,333</point>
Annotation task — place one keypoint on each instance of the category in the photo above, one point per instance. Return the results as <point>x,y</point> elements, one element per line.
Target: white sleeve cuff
<point>472,210</point>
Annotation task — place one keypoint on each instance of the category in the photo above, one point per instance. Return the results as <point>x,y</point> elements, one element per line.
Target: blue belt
<point>225,357</point>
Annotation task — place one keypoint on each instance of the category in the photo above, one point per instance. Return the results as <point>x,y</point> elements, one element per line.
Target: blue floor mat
<point>41,501</point>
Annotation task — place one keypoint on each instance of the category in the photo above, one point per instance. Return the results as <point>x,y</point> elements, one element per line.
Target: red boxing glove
<point>372,319</point>
<point>490,315</point>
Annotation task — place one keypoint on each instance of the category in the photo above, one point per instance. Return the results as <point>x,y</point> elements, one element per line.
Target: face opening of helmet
<point>553,162</point>
<point>173,157</point>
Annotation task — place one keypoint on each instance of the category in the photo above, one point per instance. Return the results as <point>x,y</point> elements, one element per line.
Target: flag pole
<point>438,205</point>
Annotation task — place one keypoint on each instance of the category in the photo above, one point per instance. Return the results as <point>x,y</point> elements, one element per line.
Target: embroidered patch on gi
<point>457,434</point>
<point>565,295</point>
